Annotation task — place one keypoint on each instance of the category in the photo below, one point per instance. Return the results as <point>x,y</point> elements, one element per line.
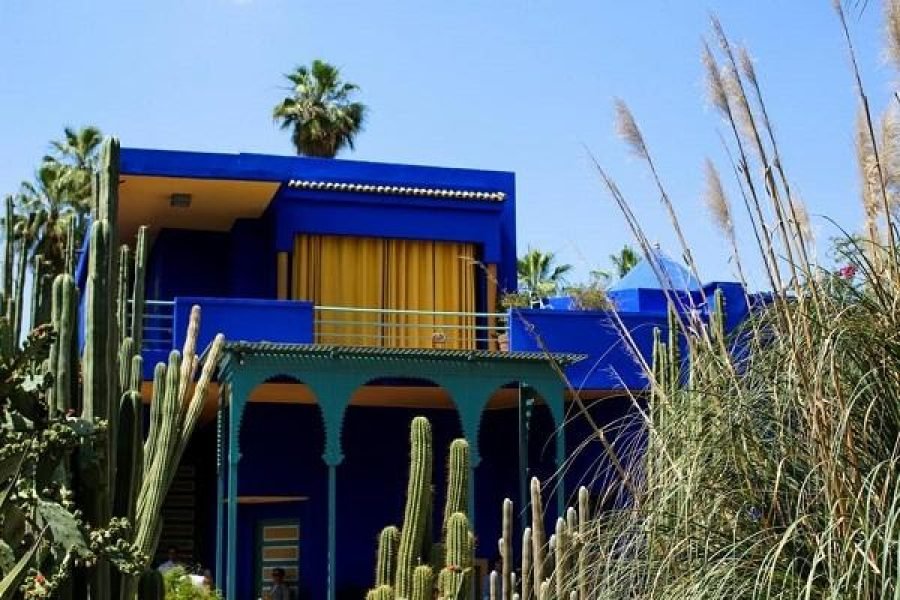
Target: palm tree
<point>79,148</point>
<point>77,153</point>
<point>48,205</point>
<point>539,275</point>
<point>624,260</point>
<point>320,110</point>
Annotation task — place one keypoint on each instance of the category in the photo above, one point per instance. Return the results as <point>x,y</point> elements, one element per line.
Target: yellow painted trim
<point>491,287</point>
<point>374,396</point>
<point>270,500</point>
<point>282,275</point>
<point>215,203</point>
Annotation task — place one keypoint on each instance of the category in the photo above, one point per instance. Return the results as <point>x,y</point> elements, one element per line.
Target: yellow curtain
<point>339,271</point>
<point>397,275</point>
<point>409,285</point>
<point>454,291</point>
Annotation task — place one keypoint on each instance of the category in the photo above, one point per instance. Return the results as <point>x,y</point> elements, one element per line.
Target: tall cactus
<point>120,506</point>
<point>386,564</point>
<point>506,551</point>
<point>454,580</point>
<point>538,536</point>
<point>564,575</point>
<point>412,573</point>
<point>457,480</point>
<point>420,466</point>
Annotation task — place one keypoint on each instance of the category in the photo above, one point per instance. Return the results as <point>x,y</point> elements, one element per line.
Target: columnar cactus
<point>454,580</point>
<point>95,427</point>
<point>457,480</point>
<point>506,551</point>
<point>537,533</point>
<point>420,466</point>
<point>564,576</point>
<point>403,570</point>
<point>386,564</point>
<point>151,586</point>
<point>423,583</point>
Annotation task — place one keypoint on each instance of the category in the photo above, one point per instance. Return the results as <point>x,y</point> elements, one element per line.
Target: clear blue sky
<point>512,85</point>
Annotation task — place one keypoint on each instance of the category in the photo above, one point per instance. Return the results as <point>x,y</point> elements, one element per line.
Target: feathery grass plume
<point>798,208</point>
<point>715,87</point>
<point>628,130</point>
<point>717,202</point>
<point>794,231</point>
<point>890,152</point>
<point>868,169</point>
<point>892,27</point>
<point>869,128</point>
<point>720,209</point>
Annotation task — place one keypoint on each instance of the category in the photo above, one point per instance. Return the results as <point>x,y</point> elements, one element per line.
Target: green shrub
<point>179,586</point>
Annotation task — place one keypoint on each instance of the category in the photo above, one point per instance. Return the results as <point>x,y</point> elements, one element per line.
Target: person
<point>279,590</point>
<point>172,561</point>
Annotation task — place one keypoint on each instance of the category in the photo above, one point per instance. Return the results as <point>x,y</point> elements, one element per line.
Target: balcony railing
<point>159,321</point>
<point>398,328</point>
<point>272,320</point>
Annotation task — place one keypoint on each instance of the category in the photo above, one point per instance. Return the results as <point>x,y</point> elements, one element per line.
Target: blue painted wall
<point>252,259</point>
<point>245,319</point>
<point>608,365</point>
<point>188,263</point>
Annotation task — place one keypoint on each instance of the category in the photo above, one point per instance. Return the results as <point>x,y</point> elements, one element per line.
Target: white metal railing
<point>159,321</point>
<point>354,326</point>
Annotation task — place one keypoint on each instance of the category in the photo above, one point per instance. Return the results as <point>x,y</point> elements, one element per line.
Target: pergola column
<point>239,395</point>
<point>333,389</point>
<point>221,442</point>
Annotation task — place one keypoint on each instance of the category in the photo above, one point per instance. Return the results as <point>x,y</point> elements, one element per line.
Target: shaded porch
<point>333,374</point>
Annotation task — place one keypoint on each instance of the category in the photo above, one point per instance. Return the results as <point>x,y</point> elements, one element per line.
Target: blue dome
<point>643,276</point>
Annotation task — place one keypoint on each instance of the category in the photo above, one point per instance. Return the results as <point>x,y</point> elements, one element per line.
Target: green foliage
<point>589,297</point>
<point>179,586</point>
<point>320,111</point>
<point>539,275</point>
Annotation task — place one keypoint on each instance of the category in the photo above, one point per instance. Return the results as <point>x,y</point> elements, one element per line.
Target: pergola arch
<point>333,374</point>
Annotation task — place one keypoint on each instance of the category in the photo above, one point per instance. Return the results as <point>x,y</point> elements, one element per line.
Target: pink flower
<point>847,272</point>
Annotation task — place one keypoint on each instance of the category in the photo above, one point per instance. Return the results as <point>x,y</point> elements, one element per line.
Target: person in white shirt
<point>171,563</point>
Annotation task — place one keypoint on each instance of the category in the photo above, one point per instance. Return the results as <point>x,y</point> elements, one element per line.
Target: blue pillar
<point>332,530</point>
<point>220,489</point>
<point>560,459</point>
<point>238,396</point>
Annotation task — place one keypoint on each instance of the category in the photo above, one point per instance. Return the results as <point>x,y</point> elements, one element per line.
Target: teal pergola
<point>333,374</point>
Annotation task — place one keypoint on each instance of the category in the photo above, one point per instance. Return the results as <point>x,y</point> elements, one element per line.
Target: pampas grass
<point>770,462</point>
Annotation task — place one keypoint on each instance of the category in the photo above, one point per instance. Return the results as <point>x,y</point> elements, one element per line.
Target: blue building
<point>355,296</point>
